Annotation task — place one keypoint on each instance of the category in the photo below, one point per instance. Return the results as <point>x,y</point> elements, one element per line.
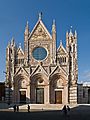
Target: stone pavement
<point>81,112</point>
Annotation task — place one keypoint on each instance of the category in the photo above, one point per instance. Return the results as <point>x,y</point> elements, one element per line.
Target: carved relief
<point>61,51</point>
<point>23,84</point>
<point>40,34</point>
<point>59,83</point>
<point>40,81</point>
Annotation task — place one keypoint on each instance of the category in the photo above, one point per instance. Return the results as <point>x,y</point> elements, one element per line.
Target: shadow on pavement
<point>81,112</point>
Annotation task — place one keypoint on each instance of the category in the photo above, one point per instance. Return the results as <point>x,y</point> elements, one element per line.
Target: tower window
<point>74,48</point>
<point>11,51</point>
<point>70,48</point>
<point>62,60</point>
<point>65,59</point>
<point>19,61</point>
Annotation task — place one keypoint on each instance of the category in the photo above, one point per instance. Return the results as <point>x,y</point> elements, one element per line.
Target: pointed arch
<point>21,84</point>
<point>39,81</point>
<point>39,77</point>
<point>58,89</point>
<point>57,76</point>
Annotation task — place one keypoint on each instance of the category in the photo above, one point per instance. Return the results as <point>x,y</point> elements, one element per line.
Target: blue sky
<point>76,13</point>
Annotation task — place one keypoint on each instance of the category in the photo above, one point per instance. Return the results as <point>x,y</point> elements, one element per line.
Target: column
<point>46,95</point>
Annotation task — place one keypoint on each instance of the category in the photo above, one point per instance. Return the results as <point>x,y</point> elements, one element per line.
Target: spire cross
<point>60,42</point>
<point>54,22</point>
<point>19,45</point>
<point>27,23</point>
<point>70,29</point>
<point>40,15</point>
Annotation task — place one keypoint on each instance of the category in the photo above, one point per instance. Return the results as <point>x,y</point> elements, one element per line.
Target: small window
<point>11,51</point>
<point>74,48</point>
<point>65,59</point>
<point>70,48</point>
<point>60,60</point>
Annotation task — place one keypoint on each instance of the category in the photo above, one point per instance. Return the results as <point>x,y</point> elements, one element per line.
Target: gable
<point>40,32</point>
<point>20,52</point>
<point>59,70</point>
<point>21,70</point>
<point>39,69</point>
<point>61,50</point>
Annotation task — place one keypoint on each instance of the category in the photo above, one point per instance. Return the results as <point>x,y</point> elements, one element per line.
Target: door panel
<point>22,96</point>
<point>58,97</point>
<point>40,95</point>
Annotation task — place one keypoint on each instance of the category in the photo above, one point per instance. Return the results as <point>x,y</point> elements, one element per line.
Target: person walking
<point>68,108</point>
<point>17,108</point>
<point>65,110</point>
<point>14,107</point>
<point>28,108</point>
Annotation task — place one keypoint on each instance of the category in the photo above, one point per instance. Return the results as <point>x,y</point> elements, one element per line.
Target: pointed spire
<point>40,15</point>
<point>67,33</point>
<point>71,31</point>
<point>27,28</point>
<point>54,26</point>
<point>27,24</point>
<point>75,33</point>
<point>53,21</point>
<point>8,45</point>
<point>60,42</point>
<point>20,45</point>
<point>12,41</point>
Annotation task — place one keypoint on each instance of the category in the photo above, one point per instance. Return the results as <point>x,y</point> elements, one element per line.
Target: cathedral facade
<point>42,73</point>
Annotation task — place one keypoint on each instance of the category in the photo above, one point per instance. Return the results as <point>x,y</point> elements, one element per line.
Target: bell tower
<point>71,47</point>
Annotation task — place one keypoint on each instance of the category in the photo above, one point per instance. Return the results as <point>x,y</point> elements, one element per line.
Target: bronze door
<point>40,95</point>
<point>58,97</point>
<point>22,96</point>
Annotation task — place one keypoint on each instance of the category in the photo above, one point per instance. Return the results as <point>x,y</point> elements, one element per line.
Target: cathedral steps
<point>44,107</point>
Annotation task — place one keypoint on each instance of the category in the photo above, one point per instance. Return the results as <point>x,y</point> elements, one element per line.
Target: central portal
<point>22,96</point>
<point>40,95</point>
<point>58,97</point>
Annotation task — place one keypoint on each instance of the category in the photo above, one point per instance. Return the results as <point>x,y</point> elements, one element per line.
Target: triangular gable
<point>39,69</point>
<point>20,51</point>
<point>21,70</point>
<point>58,69</point>
<point>40,32</point>
<point>61,49</point>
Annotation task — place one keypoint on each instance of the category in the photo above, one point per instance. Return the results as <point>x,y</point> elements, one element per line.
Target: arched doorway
<point>39,89</point>
<point>21,92</point>
<point>58,89</point>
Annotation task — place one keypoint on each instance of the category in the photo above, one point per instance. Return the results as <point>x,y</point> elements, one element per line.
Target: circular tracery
<point>39,53</point>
